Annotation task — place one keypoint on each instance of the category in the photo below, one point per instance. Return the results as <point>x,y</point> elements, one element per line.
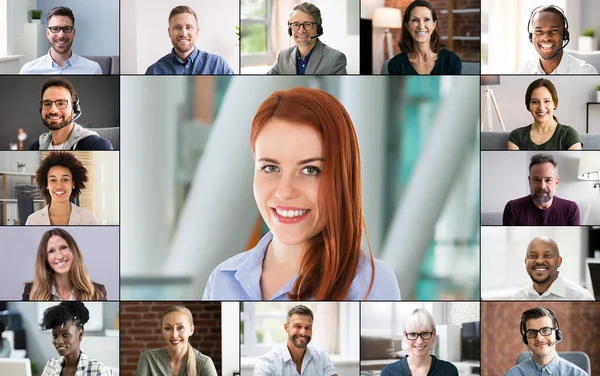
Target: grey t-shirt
<point>156,362</point>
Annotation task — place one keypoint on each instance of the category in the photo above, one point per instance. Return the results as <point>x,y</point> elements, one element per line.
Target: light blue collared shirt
<point>558,367</point>
<point>239,278</point>
<point>75,65</point>
<point>278,362</point>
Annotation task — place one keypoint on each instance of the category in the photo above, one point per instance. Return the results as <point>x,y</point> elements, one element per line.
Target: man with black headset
<point>541,333</point>
<point>59,108</point>
<point>548,30</point>
<point>309,55</point>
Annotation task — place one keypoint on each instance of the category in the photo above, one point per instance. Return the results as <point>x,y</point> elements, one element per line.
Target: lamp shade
<point>387,17</point>
<point>490,80</point>
<point>589,166</point>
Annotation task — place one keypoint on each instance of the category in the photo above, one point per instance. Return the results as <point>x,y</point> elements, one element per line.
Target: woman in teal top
<point>545,133</point>
<point>420,45</point>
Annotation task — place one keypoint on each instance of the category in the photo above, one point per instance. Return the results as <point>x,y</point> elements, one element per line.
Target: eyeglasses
<point>414,336</point>
<point>306,25</point>
<point>57,29</point>
<point>532,333</point>
<point>61,104</point>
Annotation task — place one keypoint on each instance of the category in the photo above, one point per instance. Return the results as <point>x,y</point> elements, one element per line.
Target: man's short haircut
<point>182,9</point>
<point>300,310</point>
<point>543,158</point>
<point>61,11</point>
<point>551,9</point>
<point>547,240</point>
<point>311,9</point>
<point>536,313</point>
<point>61,82</point>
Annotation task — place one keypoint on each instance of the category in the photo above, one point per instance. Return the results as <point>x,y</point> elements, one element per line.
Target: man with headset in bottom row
<point>541,333</point>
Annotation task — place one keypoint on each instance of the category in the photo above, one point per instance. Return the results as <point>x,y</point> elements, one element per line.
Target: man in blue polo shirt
<point>60,59</point>
<point>185,58</point>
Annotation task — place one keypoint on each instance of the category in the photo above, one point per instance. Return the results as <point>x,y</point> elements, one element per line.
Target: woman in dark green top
<point>420,45</point>
<point>545,133</point>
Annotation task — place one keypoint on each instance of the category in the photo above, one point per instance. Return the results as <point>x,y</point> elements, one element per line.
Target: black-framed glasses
<point>306,25</point>
<point>57,29</point>
<point>61,104</point>
<point>545,331</point>
<point>414,336</point>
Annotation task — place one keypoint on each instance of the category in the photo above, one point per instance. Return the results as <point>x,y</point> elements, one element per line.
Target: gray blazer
<point>79,216</point>
<point>324,60</point>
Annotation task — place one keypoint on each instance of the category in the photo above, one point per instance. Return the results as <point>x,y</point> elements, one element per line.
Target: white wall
<point>145,39</point>
<point>503,256</point>
<point>573,93</point>
<point>230,338</point>
<point>504,177</point>
<point>107,187</point>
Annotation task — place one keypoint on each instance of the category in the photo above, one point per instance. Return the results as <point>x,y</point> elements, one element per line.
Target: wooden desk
<point>4,175</point>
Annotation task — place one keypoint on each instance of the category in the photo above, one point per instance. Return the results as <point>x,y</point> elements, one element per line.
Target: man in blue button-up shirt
<point>60,59</point>
<point>185,58</point>
<point>296,357</point>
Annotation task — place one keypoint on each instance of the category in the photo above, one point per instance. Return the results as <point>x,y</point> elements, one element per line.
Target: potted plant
<point>598,93</point>
<point>587,41</point>
<point>36,15</point>
<point>21,166</point>
<point>34,367</point>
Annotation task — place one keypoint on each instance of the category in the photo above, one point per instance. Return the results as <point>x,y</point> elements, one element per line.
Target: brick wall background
<point>140,330</point>
<point>467,24</point>
<point>459,312</point>
<point>501,340</point>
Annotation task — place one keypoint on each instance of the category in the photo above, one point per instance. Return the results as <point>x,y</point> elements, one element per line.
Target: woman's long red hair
<point>332,257</point>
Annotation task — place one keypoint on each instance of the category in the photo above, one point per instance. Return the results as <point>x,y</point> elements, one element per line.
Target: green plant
<point>598,88</point>
<point>589,32</point>
<point>34,366</point>
<point>35,14</point>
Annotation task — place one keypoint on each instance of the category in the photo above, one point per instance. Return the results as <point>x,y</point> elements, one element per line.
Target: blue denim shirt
<point>558,367</point>
<point>239,278</point>
<point>199,62</point>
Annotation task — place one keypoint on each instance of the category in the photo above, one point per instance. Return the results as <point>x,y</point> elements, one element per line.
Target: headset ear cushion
<point>566,35</point>
<point>289,31</point>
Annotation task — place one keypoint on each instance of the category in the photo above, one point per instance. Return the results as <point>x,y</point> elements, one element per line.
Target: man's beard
<point>540,198</point>
<point>57,126</point>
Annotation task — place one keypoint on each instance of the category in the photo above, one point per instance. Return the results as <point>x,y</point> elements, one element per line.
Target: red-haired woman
<point>307,187</point>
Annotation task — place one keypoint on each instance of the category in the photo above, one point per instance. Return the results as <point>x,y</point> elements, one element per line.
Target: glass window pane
<point>254,39</point>
<point>254,9</point>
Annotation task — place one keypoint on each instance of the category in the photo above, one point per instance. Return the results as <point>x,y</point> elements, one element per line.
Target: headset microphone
<point>554,343</point>
<point>315,36</point>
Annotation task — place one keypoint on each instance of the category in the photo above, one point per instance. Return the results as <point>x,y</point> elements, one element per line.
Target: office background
<point>99,246</point>
<point>20,98</point>
<point>145,38</point>
<point>101,195</point>
<point>203,168</point>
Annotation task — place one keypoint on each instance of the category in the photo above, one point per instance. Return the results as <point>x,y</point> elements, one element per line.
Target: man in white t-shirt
<point>548,30</point>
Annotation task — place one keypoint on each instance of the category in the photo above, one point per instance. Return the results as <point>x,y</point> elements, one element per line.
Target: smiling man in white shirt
<point>60,59</point>
<point>541,263</point>
<point>548,30</point>
<point>296,356</point>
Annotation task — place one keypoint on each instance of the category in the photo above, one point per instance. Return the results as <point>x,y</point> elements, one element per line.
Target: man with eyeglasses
<point>542,261</point>
<point>60,59</point>
<point>310,55</point>
<point>541,333</point>
<point>59,107</point>
<point>185,57</point>
<point>296,356</point>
